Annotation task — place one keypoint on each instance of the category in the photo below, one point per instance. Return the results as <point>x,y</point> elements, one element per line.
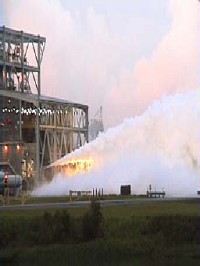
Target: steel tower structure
<point>41,129</point>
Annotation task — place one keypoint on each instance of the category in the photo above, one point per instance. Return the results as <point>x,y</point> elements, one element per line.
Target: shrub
<point>92,222</point>
<point>55,228</point>
<point>62,226</point>
<point>176,229</point>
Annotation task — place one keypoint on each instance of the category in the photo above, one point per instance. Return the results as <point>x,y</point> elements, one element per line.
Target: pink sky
<point>86,61</point>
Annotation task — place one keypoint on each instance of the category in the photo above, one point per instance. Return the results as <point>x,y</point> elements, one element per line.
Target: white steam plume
<point>160,147</point>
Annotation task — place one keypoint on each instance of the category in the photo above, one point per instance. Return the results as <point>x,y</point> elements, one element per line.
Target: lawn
<point>168,233</point>
<point>176,207</point>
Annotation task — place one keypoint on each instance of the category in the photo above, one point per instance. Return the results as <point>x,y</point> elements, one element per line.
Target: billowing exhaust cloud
<point>86,60</point>
<point>160,147</point>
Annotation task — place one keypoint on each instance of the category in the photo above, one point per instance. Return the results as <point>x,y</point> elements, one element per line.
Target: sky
<point>121,54</point>
<point>1,12</point>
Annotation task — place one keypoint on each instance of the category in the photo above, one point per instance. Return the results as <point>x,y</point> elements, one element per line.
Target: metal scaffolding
<point>45,128</point>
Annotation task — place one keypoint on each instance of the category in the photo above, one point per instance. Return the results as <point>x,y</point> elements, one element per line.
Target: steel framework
<point>45,127</point>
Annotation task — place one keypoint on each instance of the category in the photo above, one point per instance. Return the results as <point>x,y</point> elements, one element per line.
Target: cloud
<point>172,67</point>
<point>86,61</point>
<point>78,58</point>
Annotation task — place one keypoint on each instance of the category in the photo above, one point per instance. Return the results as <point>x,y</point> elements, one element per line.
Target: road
<point>81,204</point>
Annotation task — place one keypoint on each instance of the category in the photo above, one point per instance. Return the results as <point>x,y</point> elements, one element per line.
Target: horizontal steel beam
<point>27,97</point>
<point>18,66</point>
<point>74,129</point>
<point>26,36</point>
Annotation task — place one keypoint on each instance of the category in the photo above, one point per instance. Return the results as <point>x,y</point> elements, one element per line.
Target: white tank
<point>14,181</point>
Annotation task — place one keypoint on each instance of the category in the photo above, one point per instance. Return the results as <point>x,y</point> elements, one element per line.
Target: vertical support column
<point>22,86</point>
<point>3,77</point>
<point>71,124</point>
<point>55,150</point>
<point>38,176</point>
<point>37,132</point>
<point>87,125</point>
<point>4,59</point>
<point>20,121</point>
<point>22,62</point>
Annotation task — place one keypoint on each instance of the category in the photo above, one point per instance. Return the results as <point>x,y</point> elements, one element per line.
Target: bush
<point>144,234</point>
<point>92,222</point>
<point>55,228</point>
<point>176,229</point>
<point>45,230</point>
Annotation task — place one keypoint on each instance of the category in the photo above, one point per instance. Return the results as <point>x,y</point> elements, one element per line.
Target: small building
<point>125,190</point>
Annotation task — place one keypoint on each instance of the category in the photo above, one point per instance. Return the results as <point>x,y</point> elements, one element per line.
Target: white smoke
<point>160,147</point>
<point>88,61</point>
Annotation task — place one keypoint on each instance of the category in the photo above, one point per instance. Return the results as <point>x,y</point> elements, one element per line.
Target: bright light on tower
<point>18,147</point>
<point>6,148</point>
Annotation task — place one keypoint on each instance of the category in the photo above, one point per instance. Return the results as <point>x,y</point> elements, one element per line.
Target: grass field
<point>156,234</point>
<point>187,207</point>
